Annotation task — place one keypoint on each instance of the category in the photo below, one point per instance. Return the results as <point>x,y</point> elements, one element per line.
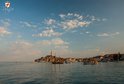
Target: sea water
<point>74,73</point>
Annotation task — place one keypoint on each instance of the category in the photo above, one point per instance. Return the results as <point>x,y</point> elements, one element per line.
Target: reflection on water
<point>77,73</point>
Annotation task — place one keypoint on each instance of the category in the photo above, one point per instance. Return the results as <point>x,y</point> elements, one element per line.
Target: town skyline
<point>77,28</point>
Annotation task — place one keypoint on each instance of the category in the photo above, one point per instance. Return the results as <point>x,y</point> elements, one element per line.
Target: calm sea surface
<point>75,73</point>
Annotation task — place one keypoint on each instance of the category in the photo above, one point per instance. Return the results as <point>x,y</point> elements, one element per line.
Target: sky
<point>71,28</point>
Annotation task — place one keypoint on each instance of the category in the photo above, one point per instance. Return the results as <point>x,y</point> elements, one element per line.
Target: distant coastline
<point>91,60</point>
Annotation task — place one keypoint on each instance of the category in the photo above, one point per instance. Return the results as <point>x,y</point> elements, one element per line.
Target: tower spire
<point>51,52</point>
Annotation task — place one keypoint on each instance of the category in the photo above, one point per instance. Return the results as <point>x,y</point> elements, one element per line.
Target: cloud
<point>62,15</point>
<point>103,34</point>
<point>71,15</point>
<point>93,18</point>
<point>73,31</point>
<point>5,23</point>
<point>47,33</point>
<point>108,34</point>
<point>27,24</point>
<point>22,50</point>
<point>62,47</point>
<point>71,21</point>
<point>23,44</point>
<point>56,43</point>
<point>44,42</point>
<point>72,24</point>
<point>104,19</point>
<point>4,32</point>
<point>65,22</point>
<point>49,21</point>
<point>87,32</point>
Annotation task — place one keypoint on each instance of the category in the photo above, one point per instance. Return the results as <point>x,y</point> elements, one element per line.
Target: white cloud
<point>116,33</point>
<point>49,21</point>
<point>62,47</point>
<point>56,42</point>
<point>67,22</point>
<point>22,50</point>
<point>47,33</point>
<point>44,42</point>
<point>98,19</point>
<point>108,34</point>
<point>71,21</point>
<point>72,24</point>
<point>93,18</point>
<point>27,24</point>
<point>71,15</point>
<point>80,17</point>
<point>87,32</point>
<point>103,34</point>
<point>62,15</point>
<point>4,32</point>
<point>5,23</point>
<point>74,31</point>
<point>104,19</point>
<point>23,43</point>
